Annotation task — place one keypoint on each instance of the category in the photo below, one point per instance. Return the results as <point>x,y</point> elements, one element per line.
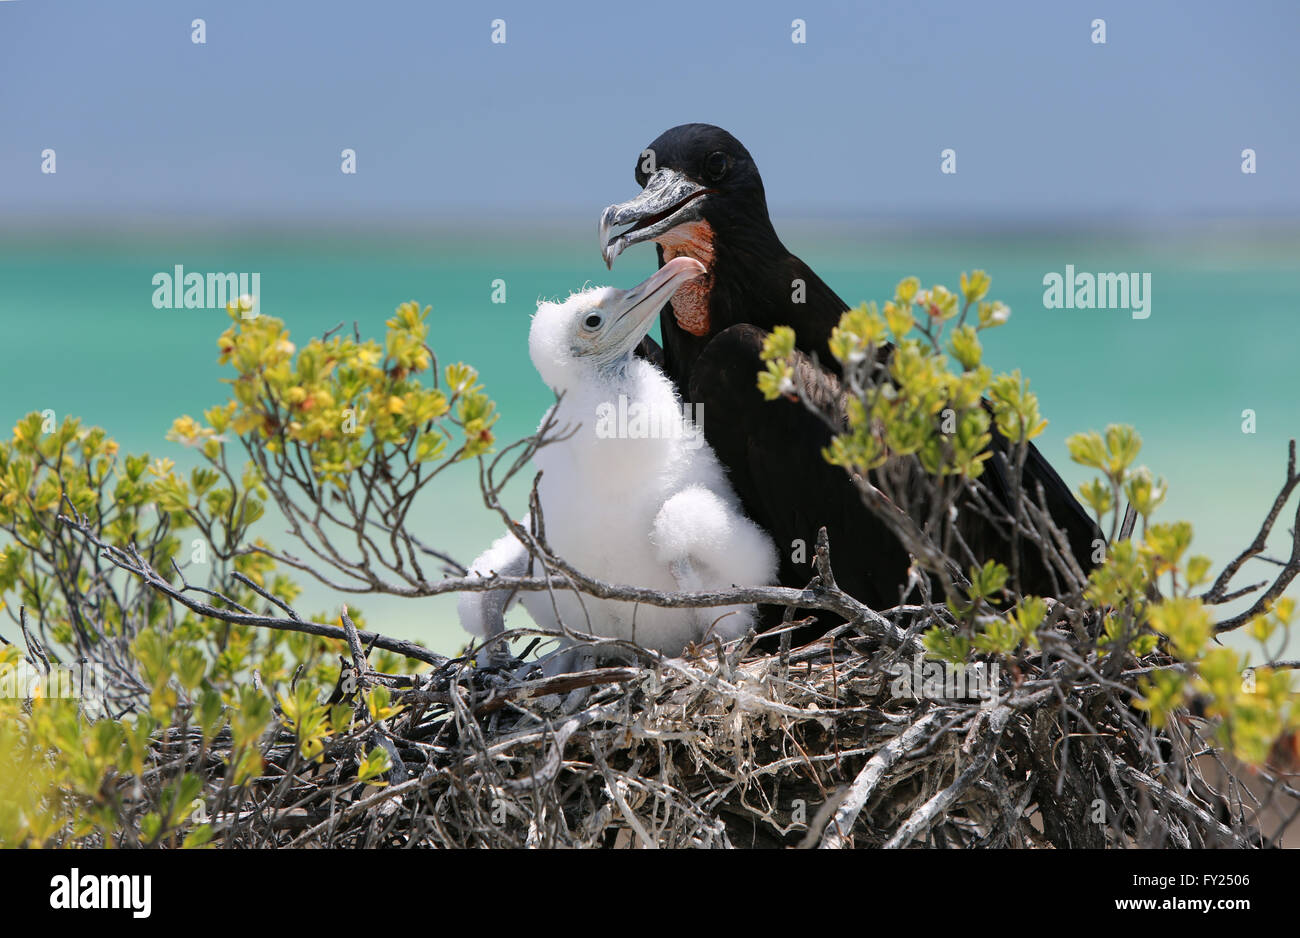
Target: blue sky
<point>448,126</point>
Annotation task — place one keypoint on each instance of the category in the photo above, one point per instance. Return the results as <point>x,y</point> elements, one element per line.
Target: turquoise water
<point>82,338</point>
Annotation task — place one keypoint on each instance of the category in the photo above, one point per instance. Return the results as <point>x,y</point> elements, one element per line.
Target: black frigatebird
<point>702,197</point>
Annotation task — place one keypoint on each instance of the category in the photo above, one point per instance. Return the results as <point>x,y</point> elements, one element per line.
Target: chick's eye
<point>593,321</point>
<point>717,165</point>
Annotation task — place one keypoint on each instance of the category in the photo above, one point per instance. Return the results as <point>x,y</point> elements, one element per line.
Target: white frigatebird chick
<point>702,197</point>
<point>630,494</point>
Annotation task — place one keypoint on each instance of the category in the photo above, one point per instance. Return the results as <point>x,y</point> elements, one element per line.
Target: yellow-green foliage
<point>340,398</point>
<point>65,775</point>
<point>1253,706</point>
<point>336,407</point>
<point>70,774</point>
<point>901,416</point>
<point>906,414</point>
<point>46,470</point>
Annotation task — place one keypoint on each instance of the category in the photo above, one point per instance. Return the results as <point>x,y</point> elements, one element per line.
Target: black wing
<point>773,454</point>
<point>649,349</point>
<point>1067,514</point>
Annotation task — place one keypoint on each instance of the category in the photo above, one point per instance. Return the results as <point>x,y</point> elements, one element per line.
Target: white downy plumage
<point>634,496</point>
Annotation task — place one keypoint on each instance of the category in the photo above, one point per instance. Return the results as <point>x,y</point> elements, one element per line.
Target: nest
<point>733,747</point>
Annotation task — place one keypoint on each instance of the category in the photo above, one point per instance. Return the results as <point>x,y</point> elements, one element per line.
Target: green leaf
<point>198,837</point>
<point>373,765</point>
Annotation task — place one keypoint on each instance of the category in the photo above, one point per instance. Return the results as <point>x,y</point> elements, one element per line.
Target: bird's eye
<point>593,321</point>
<point>717,165</point>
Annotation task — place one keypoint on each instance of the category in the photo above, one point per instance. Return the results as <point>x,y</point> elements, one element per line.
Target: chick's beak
<point>634,311</point>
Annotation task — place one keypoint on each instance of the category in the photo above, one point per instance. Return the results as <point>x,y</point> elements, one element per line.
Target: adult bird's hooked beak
<point>634,310</point>
<point>669,199</point>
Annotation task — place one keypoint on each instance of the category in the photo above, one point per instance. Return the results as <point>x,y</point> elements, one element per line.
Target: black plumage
<point>703,196</point>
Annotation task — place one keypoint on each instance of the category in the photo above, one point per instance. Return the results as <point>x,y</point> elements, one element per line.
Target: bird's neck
<point>752,279</point>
